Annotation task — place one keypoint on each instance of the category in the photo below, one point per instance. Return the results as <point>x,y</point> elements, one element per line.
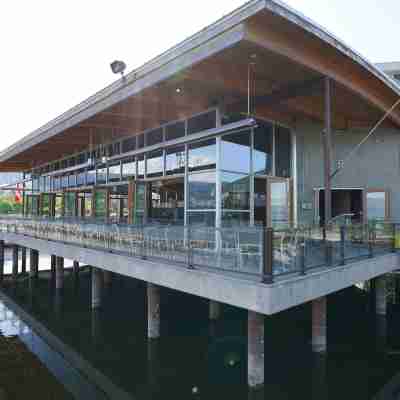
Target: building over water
<point>168,175</point>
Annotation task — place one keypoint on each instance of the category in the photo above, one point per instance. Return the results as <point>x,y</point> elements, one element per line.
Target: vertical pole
<point>214,310</point>
<point>53,261</point>
<point>342,240</point>
<point>327,144</point>
<point>23,260</point>
<point>97,287</point>
<point>1,260</point>
<point>268,250</point>
<point>319,341</point>
<point>255,349</point>
<point>14,262</point>
<point>75,269</point>
<point>153,311</point>
<point>59,273</point>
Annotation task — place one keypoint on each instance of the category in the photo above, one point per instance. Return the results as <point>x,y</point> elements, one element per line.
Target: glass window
<point>82,158</point>
<point>100,203</point>
<point>175,131</point>
<point>140,202</point>
<point>376,205</point>
<point>114,172</point>
<point>202,155</point>
<point>262,154</point>
<point>140,141</point>
<point>128,168</point>
<point>35,184</point>
<point>282,152</point>
<point>72,161</point>
<point>235,152</point>
<point>72,180</point>
<point>202,122</point>
<point>206,218</point>
<point>140,166</point>
<point>234,218</point>
<point>101,174</point>
<point>154,136</point>
<point>175,160</point>
<point>57,183</point>
<point>91,176</point>
<point>235,191</point>
<point>202,191</point>
<point>129,144</point>
<point>155,162</point>
<point>81,179</point>
<point>69,208</point>
<point>279,207</point>
<point>64,181</point>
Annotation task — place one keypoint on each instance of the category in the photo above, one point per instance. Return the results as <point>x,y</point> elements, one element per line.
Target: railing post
<point>342,240</point>
<point>302,256</point>
<point>189,247</point>
<point>268,247</point>
<point>394,229</point>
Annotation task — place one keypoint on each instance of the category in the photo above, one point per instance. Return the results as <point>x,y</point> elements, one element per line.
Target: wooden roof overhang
<point>288,57</point>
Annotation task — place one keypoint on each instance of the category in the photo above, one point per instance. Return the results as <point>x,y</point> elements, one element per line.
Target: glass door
<point>278,202</point>
<point>376,205</point>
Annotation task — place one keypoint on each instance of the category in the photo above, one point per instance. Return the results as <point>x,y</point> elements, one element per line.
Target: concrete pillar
<point>34,263</point>
<point>1,260</point>
<point>107,278</point>
<point>97,287</point>
<point>23,260</point>
<point>319,342</point>
<point>59,273</point>
<point>380,295</point>
<point>214,310</point>
<point>53,261</point>
<point>14,261</point>
<point>255,349</point>
<point>75,269</point>
<point>96,325</point>
<point>153,311</point>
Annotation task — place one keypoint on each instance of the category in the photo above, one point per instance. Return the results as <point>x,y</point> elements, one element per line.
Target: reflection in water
<point>198,359</point>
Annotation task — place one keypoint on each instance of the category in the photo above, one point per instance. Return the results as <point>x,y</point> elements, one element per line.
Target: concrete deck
<point>240,291</point>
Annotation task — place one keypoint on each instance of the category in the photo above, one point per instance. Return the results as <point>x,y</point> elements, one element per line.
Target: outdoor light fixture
<point>178,90</point>
<point>118,67</point>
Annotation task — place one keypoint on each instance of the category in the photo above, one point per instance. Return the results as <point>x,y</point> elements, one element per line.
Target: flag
<point>18,195</point>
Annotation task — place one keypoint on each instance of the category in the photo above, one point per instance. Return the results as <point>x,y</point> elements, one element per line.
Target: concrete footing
<point>153,311</point>
<point>14,261</point>
<point>214,310</point>
<point>255,349</point>
<point>97,287</point>
<point>33,263</point>
<point>59,273</point>
<point>319,339</point>
<point>380,295</point>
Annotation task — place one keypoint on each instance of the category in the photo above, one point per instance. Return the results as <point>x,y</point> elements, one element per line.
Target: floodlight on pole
<point>118,67</point>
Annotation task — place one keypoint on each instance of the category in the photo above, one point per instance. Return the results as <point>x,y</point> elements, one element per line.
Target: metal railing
<point>256,251</point>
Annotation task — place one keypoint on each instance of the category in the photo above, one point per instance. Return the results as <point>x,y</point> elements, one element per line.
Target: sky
<point>54,54</point>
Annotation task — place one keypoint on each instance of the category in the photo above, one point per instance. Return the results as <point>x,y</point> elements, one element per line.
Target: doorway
<point>346,204</point>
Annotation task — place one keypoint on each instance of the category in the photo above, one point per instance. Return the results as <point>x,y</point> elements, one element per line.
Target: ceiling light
<point>178,90</point>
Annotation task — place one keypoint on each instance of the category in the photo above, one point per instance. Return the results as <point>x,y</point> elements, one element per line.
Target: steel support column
<point>327,145</point>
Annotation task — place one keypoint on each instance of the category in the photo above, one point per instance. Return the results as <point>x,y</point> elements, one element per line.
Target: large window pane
<point>376,205</point>
<point>175,131</point>
<point>206,218</point>
<point>175,160</point>
<point>153,137</point>
<point>140,166</point>
<point>101,176</point>
<point>202,191</point>
<point>91,176</point>
<point>202,122</point>
<point>100,203</point>
<point>202,155</point>
<point>280,204</point>
<point>129,144</point>
<point>235,191</point>
<point>235,152</point>
<point>114,172</point>
<point>282,152</point>
<point>69,207</point>
<point>262,155</point>
<point>235,218</point>
<point>81,180</point>
<point>140,203</point>
<point>128,168</point>
<point>155,162</point>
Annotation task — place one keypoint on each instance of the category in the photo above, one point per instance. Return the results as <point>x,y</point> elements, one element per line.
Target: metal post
<point>1,260</point>
<point>268,249</point>
<point>14,262</point>
<point>342,239</point>
<point>189,247</point>
<point>394,229</point>
<point>302,255</point>
<point>23,260</point>
<point>327,144</point>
